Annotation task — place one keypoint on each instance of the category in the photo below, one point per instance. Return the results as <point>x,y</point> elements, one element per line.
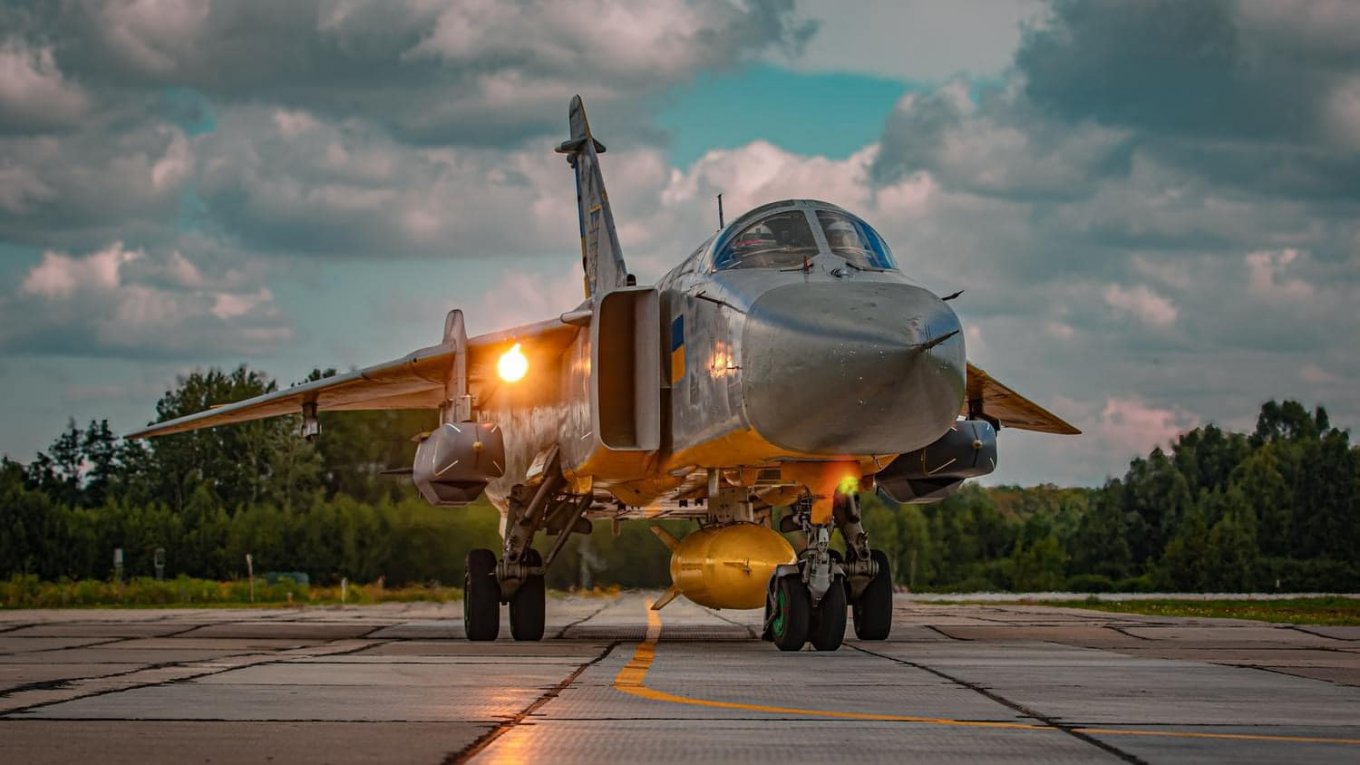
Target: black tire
<point>481,596</point>
<point>873,608</point>
<point>828,623</point>
<point>792,613</point>
<point>528,606</point>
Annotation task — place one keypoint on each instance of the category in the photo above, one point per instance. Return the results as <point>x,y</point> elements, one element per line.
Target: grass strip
<point>1330,610</point>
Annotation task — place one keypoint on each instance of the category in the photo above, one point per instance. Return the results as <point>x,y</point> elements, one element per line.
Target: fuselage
<point>775,347</point>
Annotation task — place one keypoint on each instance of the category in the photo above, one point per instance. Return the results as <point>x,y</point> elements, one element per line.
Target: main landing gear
<point>807,600</point>
<point>517,579</point>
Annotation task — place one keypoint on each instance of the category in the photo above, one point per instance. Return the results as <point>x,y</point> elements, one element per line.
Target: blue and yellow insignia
<point>678,348</point>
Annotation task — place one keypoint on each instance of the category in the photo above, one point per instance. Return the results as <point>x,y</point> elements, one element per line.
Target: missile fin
<point>667,596</point>
<point>666,537</point>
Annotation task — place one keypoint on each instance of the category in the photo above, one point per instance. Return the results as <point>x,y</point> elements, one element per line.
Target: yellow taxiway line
<point>632,678</point>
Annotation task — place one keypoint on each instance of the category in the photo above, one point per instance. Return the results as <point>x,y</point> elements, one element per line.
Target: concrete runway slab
<point>613,682</point>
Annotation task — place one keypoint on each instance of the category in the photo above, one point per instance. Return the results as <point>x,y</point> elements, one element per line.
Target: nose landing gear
<point>807,600</point>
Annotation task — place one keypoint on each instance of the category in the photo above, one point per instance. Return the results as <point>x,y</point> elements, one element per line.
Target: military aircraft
<point>786,362</point>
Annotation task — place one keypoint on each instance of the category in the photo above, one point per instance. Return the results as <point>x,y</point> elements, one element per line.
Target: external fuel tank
<point>726,566</point>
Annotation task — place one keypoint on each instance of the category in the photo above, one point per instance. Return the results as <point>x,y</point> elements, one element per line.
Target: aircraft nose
<point>858,368</point>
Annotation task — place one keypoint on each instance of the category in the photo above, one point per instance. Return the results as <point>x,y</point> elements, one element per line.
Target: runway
<point>615,682</point>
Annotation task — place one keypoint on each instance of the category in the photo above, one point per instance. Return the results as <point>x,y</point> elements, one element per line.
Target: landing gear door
<point>625,380</point>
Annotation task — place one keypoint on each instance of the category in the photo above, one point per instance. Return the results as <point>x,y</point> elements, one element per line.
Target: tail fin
<point>601,256</point>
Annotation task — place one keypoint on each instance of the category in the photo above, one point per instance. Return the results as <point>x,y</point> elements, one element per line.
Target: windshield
<point>854,240</point>
<point>778,241</point>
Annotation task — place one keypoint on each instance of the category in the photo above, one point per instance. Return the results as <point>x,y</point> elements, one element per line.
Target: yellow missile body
<point>724,566</point>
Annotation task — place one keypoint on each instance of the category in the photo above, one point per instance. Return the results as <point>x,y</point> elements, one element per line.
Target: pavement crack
<point>751,632</point>
<point>939,631</point>
<point>68,683</point>
<point>563,632</point>
<point>40,685</point>
<point>96,644</point>
<point>1124,631</point>
<point>487,739</point>
<point>1306,631</point>
<point>1051,722</point>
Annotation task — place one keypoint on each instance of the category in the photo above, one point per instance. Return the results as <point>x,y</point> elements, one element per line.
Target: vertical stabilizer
<point>601,256</point>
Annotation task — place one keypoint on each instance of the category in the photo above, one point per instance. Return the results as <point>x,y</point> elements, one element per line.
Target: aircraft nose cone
<point>836,368</point>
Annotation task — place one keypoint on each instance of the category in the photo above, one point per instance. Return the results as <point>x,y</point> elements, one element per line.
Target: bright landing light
<point>513,364</point>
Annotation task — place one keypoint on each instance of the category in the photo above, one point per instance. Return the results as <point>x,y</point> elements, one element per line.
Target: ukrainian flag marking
<point>678,348</point>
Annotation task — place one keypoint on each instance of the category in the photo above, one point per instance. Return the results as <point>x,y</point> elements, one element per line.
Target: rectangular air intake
<point>626,370</point>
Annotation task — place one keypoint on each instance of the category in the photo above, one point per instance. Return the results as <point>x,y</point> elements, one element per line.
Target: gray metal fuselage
<point>821,361</point>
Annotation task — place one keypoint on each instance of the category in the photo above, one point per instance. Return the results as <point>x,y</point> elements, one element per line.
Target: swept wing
<point>1013,410</point>
<point>415,381</point>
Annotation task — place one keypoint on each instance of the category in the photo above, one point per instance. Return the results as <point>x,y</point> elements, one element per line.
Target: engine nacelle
<point>727,566</point>
<point>930,474</point>
<point>454,463</point>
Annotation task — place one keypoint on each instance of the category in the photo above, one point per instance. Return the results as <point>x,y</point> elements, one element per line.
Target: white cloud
<point>1313,373</point>
<point>154,36</point>
<point>84,189</point>
<point>126,302</point>
<point>1142,303</point>
<point>655,39</point>
<point>60,276</point>
<point>1268,279</point>
<point>1133,426</point>
<point>33,91</point>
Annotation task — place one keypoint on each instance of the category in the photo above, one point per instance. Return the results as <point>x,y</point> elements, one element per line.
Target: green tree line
<point>1275,509</point>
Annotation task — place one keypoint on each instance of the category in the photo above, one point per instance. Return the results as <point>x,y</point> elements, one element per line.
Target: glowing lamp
<point>513,364</point>
<point>848,485</point>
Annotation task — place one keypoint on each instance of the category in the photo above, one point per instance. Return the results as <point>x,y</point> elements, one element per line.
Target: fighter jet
<point>787,362</point>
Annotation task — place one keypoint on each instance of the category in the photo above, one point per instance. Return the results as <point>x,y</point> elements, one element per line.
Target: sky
<point>1153,207</point>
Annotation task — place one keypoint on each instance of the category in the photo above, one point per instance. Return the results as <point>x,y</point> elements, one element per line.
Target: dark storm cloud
<point>1207,68</point>
<point>466,72</point>
<point>127,121</point>
<point>1163,197</point>
<point>85,188</point>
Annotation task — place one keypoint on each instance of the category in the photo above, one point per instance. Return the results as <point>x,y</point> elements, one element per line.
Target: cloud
<point>1267,276</point>
<point>34,95</point>
<point>83,189</point>
<point>288,181</point>
<point>1135,426</point>
<point>476,71</point>
<point>921,39</point>
<point>132,304</point>
<point>1142,303</point>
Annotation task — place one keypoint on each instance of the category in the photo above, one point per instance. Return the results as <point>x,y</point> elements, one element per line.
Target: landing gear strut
<point>518,578</point>
<point>867,572</point>
<point>807,599</point>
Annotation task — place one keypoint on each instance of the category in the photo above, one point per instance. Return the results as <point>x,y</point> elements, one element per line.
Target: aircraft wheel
<point>828,623</point>
<point>528,604</point>
<point>481,596</point>
<point>873,608</point>
<point>792,613</point>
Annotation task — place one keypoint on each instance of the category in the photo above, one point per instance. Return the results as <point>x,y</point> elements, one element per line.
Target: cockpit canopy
<point>783,234</point>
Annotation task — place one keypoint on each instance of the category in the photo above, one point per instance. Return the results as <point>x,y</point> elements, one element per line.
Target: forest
<point>1277,509</point>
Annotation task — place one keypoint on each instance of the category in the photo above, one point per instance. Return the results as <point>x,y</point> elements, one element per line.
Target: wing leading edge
<point>415,381</point>
<point>1011,409</point>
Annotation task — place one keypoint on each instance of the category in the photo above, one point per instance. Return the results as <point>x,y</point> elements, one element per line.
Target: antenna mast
<point>720,212</point>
